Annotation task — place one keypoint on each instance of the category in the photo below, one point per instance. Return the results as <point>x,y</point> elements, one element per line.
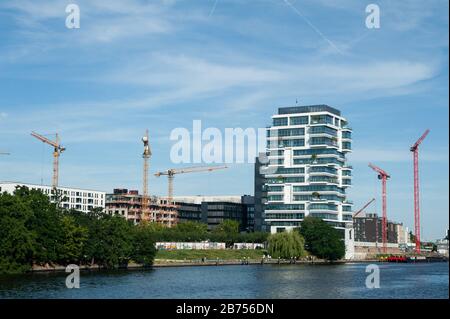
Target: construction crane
<point>415,150</point>
<point>172,172</point>
<point>384,176</point>
<point>364,207</point>
<point>146,156</point>
<point>57,150</point>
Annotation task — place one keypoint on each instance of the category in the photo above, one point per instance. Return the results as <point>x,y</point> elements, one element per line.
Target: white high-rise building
<point>83,200</point>
<point>308,173</point>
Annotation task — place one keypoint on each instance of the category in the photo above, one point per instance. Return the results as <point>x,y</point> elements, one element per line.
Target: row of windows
<point>301,198</point>
<point>322,141</point>
<point>321,119</point>
<point>283,223</point>
<point>318,188</point>
<point>285,207</point>
<point>322,130</point>
<point>346,173</point>
<point>326,179</point>
<point>290,170</point>
<point>282,180</point>
<point>304,120</point>
<point>275,188</point>
<point>285,216</point>
<point>325,160</point>
<point>322,169</point>
<point>317,151</point>
<point>324,216</point>
<point>290,143</point>
<point>323,206</point>
<point>286,132</point>
<point>347,145</point>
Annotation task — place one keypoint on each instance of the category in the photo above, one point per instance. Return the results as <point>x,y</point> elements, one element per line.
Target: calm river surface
<point>428,280</point>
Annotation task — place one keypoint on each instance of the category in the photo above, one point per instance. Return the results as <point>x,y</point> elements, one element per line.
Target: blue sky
<point>161,64</point>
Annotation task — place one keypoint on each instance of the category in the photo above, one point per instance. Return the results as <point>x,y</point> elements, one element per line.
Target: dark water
<point>428,280</point>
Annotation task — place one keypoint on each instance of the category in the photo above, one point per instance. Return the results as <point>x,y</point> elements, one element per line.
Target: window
<point>291,143</point>
<point>280,121</point>
<point>299,120</point>
<point>322,130</point>
<point>347,145</point>
<point>346,134</point>
<point>321,119</point>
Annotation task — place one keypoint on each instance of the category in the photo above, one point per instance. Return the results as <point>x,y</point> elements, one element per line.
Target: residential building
<point>83,200</point>
<point>307,173</point>
<point>368,229</point>
<point>128,203</point>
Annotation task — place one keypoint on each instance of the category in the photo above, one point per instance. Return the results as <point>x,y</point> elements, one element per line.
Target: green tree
<point>321,239</point>
<point>228,226</point>
<point>143,251</point>
<point>191,227</point>
<point>286,245</point>
<point>17,241</point>
<point>72,242</point>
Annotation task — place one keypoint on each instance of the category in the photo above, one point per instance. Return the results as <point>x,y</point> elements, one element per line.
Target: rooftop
<point>308,109</point>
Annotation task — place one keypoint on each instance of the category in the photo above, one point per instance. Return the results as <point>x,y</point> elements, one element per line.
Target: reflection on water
<point>253,281</point>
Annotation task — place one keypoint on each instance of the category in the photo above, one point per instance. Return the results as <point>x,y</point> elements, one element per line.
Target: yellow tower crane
<point>173,171</point>
<point>57,150</point>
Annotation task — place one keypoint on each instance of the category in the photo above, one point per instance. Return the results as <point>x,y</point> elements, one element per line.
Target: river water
<point>422,280</point>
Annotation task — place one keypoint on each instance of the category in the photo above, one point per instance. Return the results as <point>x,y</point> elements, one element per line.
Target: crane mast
<point>383,176</point>
<point>146,156</point>
<point>415,150</point>
<point>57,150</point>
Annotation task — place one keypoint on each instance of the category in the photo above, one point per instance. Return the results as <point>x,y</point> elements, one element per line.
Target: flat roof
<point>308,109</point>
<point>38,185</point>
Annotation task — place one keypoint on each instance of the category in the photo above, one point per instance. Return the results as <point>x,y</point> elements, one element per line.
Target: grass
<point>222,254</point>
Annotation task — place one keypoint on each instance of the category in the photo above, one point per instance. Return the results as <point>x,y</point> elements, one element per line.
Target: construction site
<point>372,235</point>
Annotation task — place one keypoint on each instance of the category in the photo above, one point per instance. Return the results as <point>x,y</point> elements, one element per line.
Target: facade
<point>212,210</point>
<point>128,203</point>
<point>307,173</point>
<point>368,230</point>
<point>83,200</point>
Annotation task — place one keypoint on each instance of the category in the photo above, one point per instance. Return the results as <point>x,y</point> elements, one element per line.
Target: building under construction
<point>128,203</point>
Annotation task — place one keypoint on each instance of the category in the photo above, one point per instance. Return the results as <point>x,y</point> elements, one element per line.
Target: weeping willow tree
<point>286,245</point>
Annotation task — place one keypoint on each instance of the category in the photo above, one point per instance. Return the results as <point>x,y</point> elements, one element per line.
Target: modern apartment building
<point>83,200</point>
<point>307,173</point>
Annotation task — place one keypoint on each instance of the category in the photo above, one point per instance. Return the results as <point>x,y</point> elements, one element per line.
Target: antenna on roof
<point>296,102</point>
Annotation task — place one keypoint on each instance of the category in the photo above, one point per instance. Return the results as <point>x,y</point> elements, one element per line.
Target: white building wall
<point>82,200</point>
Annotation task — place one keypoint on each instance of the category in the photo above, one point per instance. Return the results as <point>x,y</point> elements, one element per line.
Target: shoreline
<point>185,263</point>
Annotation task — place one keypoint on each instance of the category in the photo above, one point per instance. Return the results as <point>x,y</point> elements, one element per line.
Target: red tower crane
<point>415,150</point>
<point>384,176</point>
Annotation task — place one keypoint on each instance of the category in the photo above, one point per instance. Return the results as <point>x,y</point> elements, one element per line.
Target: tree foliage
<point>33,230</point>
<point>286,245</point>
<point>321,239</point>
